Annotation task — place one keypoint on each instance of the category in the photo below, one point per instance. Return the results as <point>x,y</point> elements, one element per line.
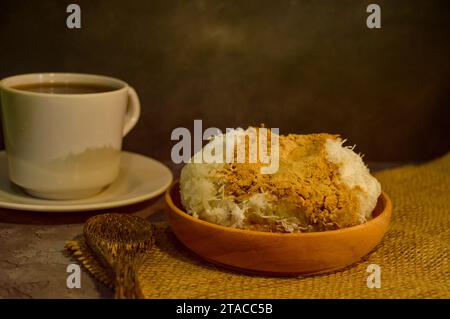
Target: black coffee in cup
<point>64,88</point>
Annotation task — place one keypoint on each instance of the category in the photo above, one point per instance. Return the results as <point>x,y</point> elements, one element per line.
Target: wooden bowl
<point>278,254</point>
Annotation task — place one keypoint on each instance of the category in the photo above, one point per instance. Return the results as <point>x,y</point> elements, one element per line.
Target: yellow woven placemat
<point>413,256</point>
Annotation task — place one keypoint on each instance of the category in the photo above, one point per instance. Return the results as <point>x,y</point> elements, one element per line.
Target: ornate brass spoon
<point>120,242</point>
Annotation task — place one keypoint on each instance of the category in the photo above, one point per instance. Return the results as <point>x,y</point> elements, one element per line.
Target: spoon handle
<point>125,279</point>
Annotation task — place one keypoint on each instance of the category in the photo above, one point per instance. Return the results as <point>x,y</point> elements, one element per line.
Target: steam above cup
<point>65,143</point>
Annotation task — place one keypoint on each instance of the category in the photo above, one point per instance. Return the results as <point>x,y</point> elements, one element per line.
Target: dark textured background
<point>303,66</point>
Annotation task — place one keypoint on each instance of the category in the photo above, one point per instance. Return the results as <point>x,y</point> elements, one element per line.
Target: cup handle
<point>133,111</point>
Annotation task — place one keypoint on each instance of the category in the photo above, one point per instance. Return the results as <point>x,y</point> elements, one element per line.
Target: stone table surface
<point>33,260</point>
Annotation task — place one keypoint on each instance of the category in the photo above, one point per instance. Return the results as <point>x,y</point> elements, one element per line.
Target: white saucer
<point>140,178</point>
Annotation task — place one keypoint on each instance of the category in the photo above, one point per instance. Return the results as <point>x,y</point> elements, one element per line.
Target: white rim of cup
<point>122,85</point>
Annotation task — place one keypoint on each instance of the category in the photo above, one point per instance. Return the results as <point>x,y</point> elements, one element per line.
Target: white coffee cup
<point>65,146</point>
